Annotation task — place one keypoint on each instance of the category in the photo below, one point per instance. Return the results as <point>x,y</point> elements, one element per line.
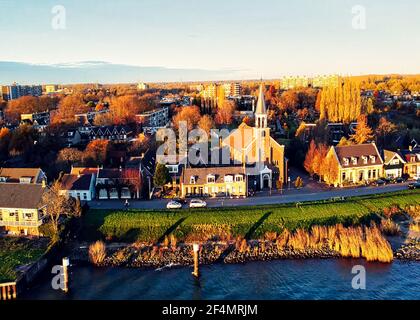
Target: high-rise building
<point>16,91</point>
<point>142,86</point>
<point>232,89</point>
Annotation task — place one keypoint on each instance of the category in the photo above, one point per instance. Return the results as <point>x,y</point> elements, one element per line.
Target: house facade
<point>78,186</point>
<point>356,164</point>
<point>393,164</point>
<point>21,208</point>
<point>214,182</point>
<point>412,162</point>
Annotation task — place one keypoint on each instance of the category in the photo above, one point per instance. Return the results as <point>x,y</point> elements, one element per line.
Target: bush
<point>390,228</point>
<point>97,253</point>
<point>299,183</point>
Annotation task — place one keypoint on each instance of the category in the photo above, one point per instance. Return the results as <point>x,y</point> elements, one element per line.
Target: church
<point>254,148</point>
<point>257,162</point>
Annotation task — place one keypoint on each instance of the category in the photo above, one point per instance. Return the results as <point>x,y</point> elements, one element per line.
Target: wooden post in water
<point>66,264</point>
<point>196,248</point>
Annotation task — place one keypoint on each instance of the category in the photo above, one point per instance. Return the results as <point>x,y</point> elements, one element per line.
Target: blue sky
<point>268,38</point>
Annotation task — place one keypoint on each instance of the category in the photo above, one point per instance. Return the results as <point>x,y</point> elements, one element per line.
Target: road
<point>288,196</point>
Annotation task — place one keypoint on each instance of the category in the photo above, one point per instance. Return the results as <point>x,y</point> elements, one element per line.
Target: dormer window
<point>3,179</point>
<point>228,178</point>
<point>192,180</point>
<point>25,180</point>
<point>354,160</point>
<point>346,161</point>
<point>365,160</point>
<point>239,178</point>
<point>211,178</point>
<point>372,159</point>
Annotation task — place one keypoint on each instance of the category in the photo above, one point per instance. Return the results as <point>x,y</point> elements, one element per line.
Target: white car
<point>173,205</point>
<point>197,203</point>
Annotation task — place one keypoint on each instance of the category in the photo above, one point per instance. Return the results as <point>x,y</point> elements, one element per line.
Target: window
<point>3,179</point>
<point>346,161</point>
<point>354,161</point>
<point>228,178</point>
<point>85,196</point>
<point>365,160</point>
<point>211,178</point>
<point>343,176</point>
<point>395,161</point>
<point>372,159</point>
<point>238,178</point>
<point>192,180</point>
<point>28,216</point>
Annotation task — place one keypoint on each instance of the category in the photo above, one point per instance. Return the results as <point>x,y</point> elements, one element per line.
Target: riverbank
<point>226,224</point>
<point>320,242</point>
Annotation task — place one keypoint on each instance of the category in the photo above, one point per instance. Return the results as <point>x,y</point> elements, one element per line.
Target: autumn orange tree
<point>191,115</point>
<point>206,123</point>
<point>133,179</point>
<point>5,137</point>
<point>68,107</point>
<point>26,104</point>
<point>225,112</point>
<point>96,152</point>
<point>363,132</point>
<point>341,102</point>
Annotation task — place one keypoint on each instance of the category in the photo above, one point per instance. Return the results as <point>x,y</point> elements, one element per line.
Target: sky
<point>237,38</point>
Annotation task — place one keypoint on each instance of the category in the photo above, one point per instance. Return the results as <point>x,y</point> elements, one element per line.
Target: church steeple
<point>261,110</point>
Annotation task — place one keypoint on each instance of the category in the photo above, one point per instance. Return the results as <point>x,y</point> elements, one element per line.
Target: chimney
<point>44,184</point>
<point>410,148</point>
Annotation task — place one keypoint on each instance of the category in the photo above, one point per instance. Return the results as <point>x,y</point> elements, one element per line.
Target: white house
<point>80,187</point>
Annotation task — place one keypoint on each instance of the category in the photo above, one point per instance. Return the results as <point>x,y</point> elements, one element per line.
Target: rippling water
<point>285,279</point>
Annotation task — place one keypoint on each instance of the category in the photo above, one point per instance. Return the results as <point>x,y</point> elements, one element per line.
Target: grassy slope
<point>15,252</point>
<point>244,221</point>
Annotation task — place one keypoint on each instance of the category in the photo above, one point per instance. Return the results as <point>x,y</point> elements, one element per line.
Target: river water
<point>283,279</point>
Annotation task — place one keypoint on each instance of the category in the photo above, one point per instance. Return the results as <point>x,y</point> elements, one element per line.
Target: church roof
<point>261,108</point>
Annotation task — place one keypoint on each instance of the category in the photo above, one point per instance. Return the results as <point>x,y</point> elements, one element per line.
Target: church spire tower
<point>261,110</point>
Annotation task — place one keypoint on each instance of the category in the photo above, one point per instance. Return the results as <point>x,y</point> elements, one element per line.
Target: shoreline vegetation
<point>354,228</point>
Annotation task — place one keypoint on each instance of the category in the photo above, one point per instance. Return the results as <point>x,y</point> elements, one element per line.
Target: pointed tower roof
<point>261,109</point>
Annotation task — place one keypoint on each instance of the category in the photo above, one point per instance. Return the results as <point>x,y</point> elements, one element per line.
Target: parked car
<point>180,200</point>
<point>173,205</point>
<point>378,183</point>
<point>400,180</point>
<point>197,203</point>
<point>414,185</point>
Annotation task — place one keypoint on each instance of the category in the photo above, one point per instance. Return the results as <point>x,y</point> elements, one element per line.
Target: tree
<point>190,115</point>
<point>140,145</point>
<point>299,183</point>
<point>161,176</point>
<point>58,206</point>
<point>124,108</point>
<point>96,152</point>
<point>225,112</point>
<point>344,142</point>
<point>70,155</point>
<point>22,140</point>
<point>133,179</point>
<point>206,123</point>
<point>385,129</point>
<point>248,121</point>
<point>330,169</point>
<point>300,130</point>
<point>309,159</point>
<point>68,107</point>
<point>363,132</point>
<point>26,104</point>
<point>5,137</point>
<point>104,119</point>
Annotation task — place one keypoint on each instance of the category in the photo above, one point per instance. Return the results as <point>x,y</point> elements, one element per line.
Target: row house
<point>214,182</point>
<point>111,133</point>
<point>357,164</point>
<point>39,121</point>
<point>394,164</point>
